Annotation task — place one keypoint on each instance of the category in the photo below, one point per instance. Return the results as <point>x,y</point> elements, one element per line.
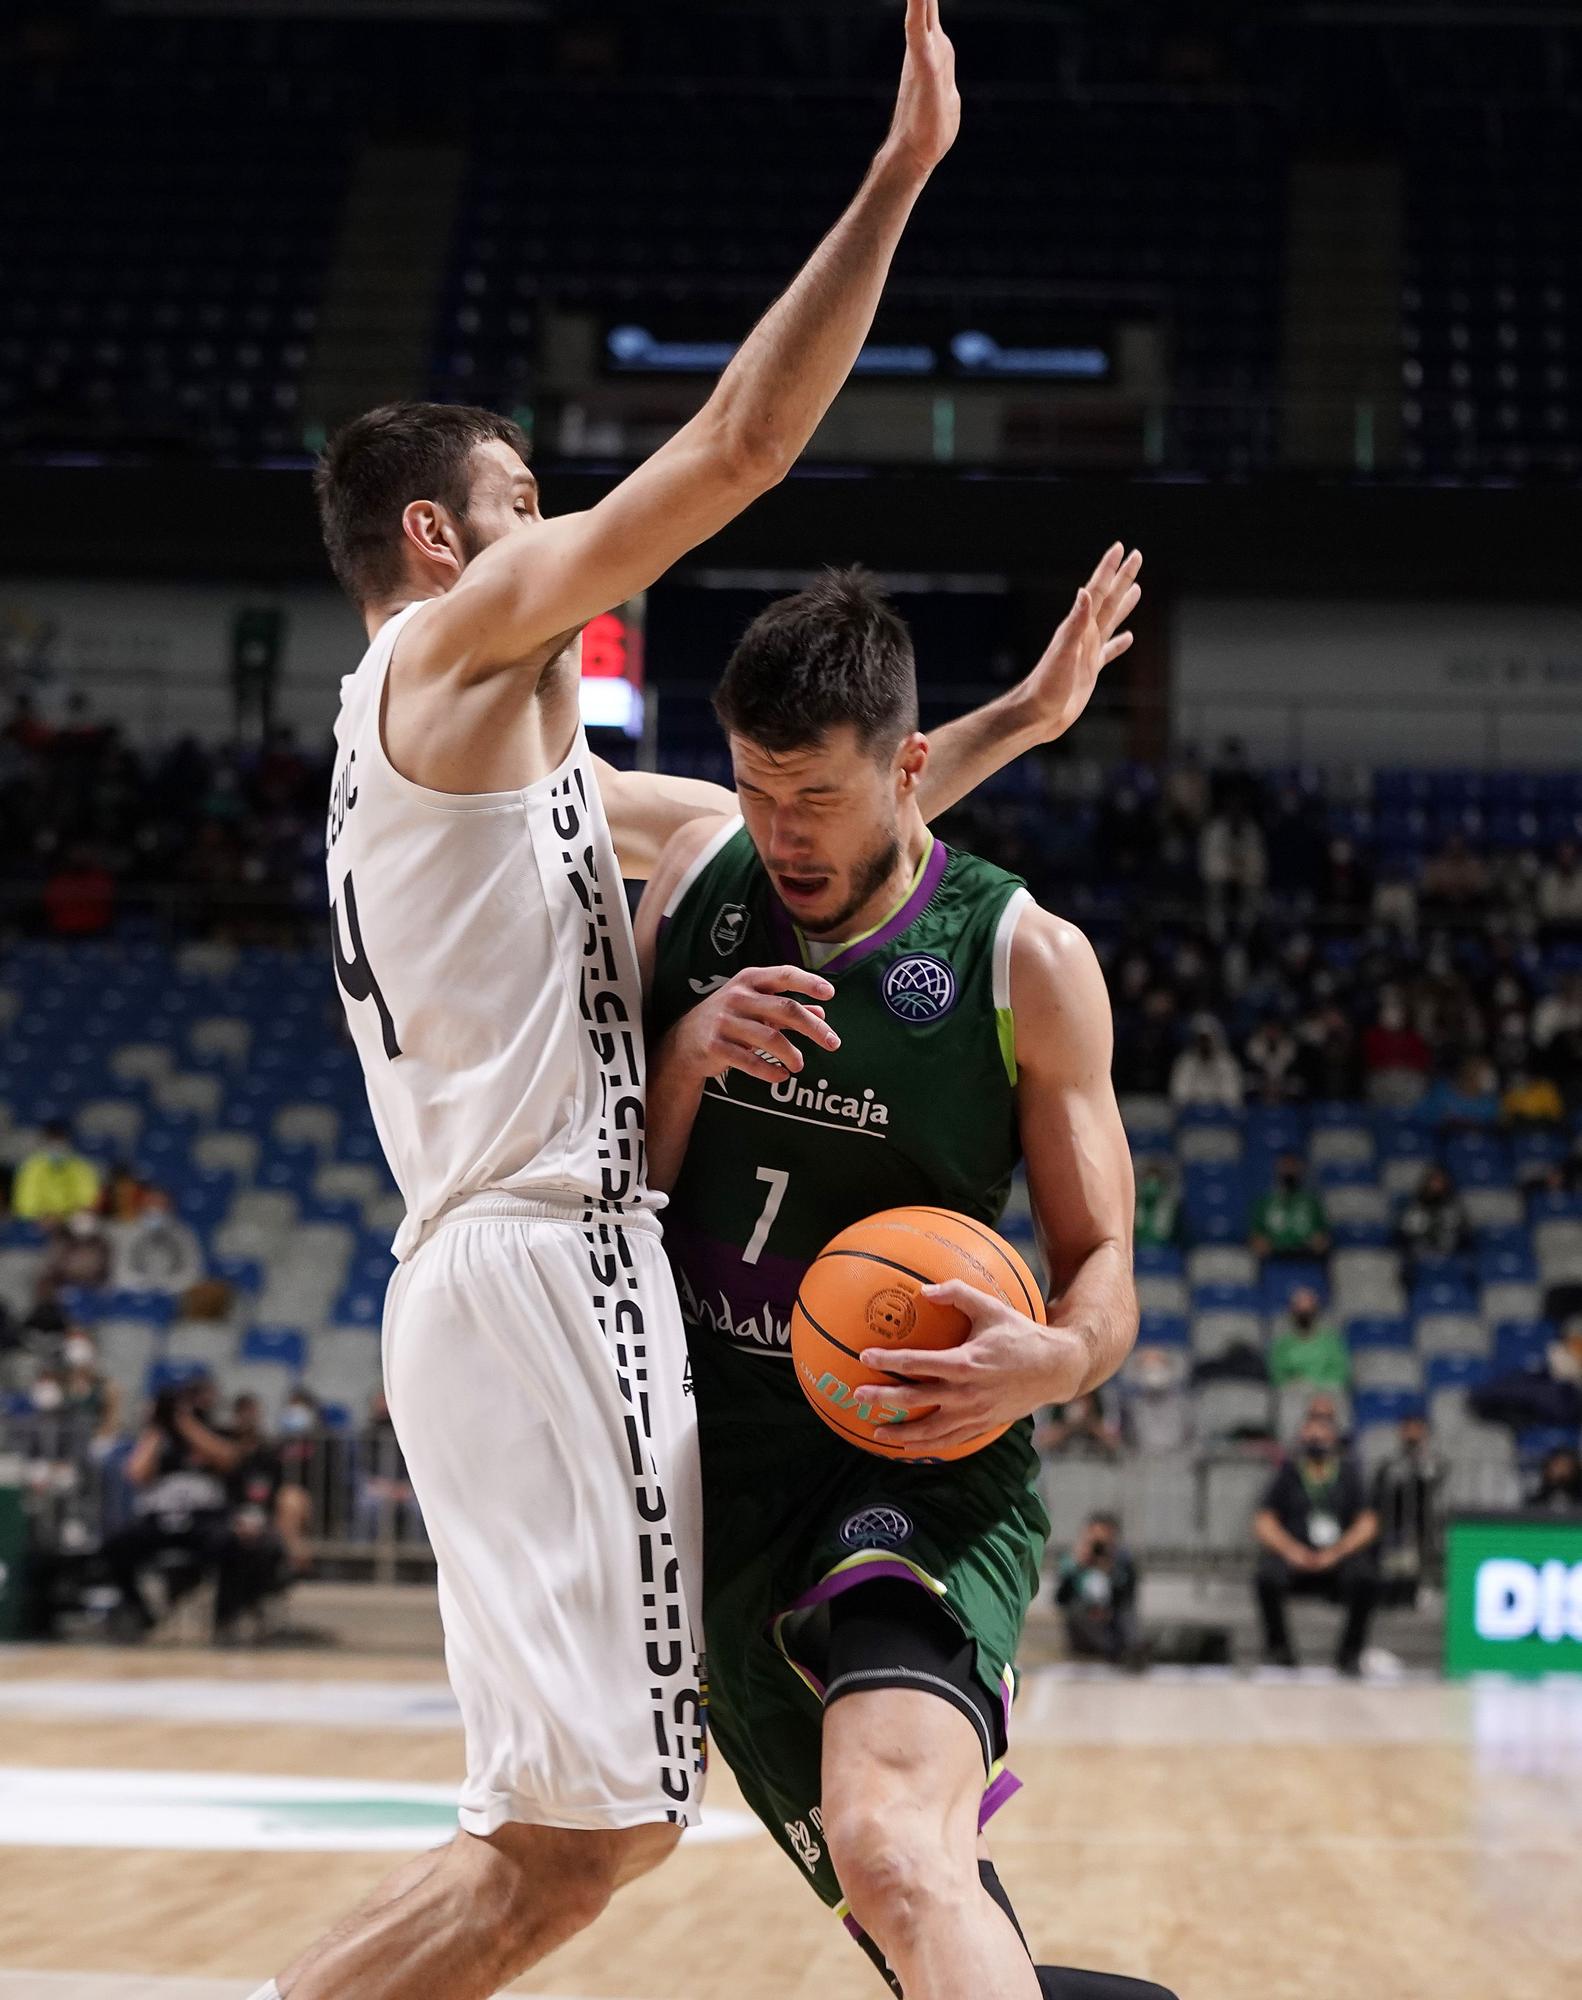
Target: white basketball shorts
<point>535,1365</point>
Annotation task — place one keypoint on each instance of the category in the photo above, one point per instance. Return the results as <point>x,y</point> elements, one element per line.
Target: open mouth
<point>801,891</point>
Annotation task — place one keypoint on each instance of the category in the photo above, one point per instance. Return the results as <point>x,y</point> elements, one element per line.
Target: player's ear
<point>911,761</point>
<point>428,527</point>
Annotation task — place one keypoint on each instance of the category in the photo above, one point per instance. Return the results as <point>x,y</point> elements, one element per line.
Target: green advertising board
<point>1513,1587</point>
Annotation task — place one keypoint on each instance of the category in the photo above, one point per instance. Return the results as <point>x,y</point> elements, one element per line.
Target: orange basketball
<point>864,1290</point>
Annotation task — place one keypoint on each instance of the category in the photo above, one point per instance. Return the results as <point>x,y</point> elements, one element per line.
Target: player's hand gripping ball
<point>865,1290</point>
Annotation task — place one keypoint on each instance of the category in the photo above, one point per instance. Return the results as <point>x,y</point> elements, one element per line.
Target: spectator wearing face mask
<point>1316,1533</point>
<point>155,1251</point>
<point>178,1470</point>
<point>1234,865</point>
<point>90,1400</point>
<point>1096,1588</point>
<point>56,1181</point>
<point>1434,1222</point>
<point>1290,1221</point>
<point>1206,1075</point>
<point>1273,1060</point>
<point>1308,1348</point>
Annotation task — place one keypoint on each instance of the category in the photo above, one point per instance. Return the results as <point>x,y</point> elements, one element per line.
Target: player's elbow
<point>751,455</point>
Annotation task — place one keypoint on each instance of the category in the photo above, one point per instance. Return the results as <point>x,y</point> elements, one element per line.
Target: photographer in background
<point>264,1543</point>
<point>1096,1588</point>
<point>178,1470</point>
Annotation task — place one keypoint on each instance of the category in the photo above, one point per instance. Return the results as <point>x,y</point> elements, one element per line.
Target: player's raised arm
<point>527,590</point>
<point>1053,696</point>
<point>1079,1174</point>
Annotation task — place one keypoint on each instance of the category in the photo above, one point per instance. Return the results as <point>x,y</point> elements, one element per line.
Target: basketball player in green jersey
<point>846,1017</point>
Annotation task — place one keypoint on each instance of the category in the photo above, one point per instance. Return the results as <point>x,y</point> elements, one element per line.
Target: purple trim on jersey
<point>904,918</point>
<point>1000,1792</point>
<point>914,906</point>
<point>842,1580</point>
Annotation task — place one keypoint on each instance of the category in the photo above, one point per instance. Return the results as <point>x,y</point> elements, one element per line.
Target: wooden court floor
<point>1286,1839</point>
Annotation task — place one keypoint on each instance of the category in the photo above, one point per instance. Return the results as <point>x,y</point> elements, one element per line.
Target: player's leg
<point>902,1786</point>
<point>459,1925</point>
<point>1274,1583</point>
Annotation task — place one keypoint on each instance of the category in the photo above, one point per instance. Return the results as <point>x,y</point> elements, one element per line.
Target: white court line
<point>1006,1834</point>
<point>136,1986</point>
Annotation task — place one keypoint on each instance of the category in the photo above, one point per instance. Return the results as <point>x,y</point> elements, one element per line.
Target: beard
<point>868,878</point>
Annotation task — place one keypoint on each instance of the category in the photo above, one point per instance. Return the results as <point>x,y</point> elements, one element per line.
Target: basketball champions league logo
<point>919,989</point>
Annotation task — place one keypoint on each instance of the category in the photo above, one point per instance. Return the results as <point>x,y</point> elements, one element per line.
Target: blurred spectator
<point>1186,791</point>
<point>1434,1222</point>
<point>1289,1221</point>
<point>265,1541</point>
<point>1145,1057</point>
<point>1560,896</point>
<point>1295,845</point>
<point>124,1190</point>
<point>79,897</point>
<point>1395,905</point>
<point>55,1181</point>
<point>88,1396</point>
<point>78,1252</point>
<point>1096,1588</point>
<point>156,1251</point>
<point>1234,786</point>
<point>1316,1532</point>
<point>386,1507</point>
<point>1345,886</point>
<point>1557,1035</point>
<point>1157,1224</point>
<point>1406,1497</point>
<point>1156,1408</point>
<point>1328,1058</point>
<point>1083,1427</point>
<point>1558,1489</point>
<point>1467,1102</point>
<point>1455,882</point>
<point>1531,1099</point>
<point>1206,1075</point>
<point>1272,1059</point>
<point>1308,1348</point>
<point>1234,867</point>
<point>178,1469</point>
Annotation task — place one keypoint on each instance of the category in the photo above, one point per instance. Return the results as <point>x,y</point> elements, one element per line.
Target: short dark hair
<point>835,653</point>
<point>378,464</point>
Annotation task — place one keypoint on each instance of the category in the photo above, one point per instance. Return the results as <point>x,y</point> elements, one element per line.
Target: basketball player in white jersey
<point>533,1351</point>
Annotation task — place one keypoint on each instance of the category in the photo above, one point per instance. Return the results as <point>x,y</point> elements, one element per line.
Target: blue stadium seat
<point>1164,1330</point>
<point>1384,1406</point>
<point>1361,1333</point>
<point>1521,1343</point>
<point>1159,1261</point>
<point>246,1274</point>
<point>1284,1275</point>
<point>1455,1371</point>
<point>1444,1294</point>
<point>1226,1298</point>
<point>278,1346</point>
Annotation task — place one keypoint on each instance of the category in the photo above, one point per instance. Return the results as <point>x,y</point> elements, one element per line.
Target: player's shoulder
<point>687,855</point>
<point>1054,968</point>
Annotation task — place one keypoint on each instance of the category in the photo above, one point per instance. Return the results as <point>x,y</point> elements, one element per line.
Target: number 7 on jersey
<point>778,1183</point>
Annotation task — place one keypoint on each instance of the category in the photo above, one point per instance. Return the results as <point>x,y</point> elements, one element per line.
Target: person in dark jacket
<point>1316,1532</point>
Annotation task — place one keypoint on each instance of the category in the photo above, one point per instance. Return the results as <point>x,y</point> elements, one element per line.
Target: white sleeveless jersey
<point>484,954</point>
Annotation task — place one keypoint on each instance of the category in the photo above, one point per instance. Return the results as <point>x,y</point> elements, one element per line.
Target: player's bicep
<point>1079,1168</point>
<point>542,584</point>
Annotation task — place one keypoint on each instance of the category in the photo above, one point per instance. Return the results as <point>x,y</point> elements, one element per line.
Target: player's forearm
<point>792,366</point>
<point>974,747</point>
<point>1099,1305</point>
<point>674,1094</point>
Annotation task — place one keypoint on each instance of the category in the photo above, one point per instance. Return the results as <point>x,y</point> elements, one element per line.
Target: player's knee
<point>899,1880</point>
<point>534,1899</point>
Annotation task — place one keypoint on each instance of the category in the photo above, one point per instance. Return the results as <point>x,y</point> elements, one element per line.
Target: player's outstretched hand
<point>747,1024</point>
<point>1060,687</point>
<point>928,110</point>
<point>1007,1367</point>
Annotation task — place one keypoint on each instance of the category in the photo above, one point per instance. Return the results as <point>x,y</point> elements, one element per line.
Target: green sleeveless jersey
<point>916,1106</point>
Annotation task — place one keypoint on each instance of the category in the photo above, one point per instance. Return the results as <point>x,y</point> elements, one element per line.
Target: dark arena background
<point>1287,295</point>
